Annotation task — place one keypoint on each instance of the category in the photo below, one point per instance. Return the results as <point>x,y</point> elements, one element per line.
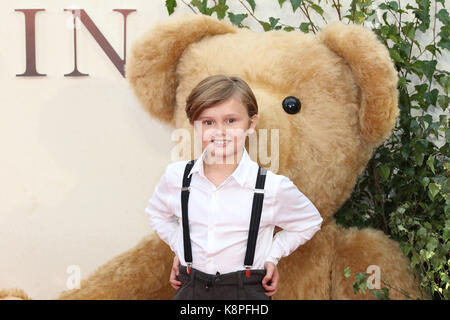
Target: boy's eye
<point>207,122</point>
<point>231,120</point>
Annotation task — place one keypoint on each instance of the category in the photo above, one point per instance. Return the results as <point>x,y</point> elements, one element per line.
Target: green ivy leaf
<point>406,249</point>
<point>317,8</point>
<point>402,81</point>
<point>431,97</point>
<point>425,181</point>
<point>384,172</point>
<point>423,13</point>
<point>405,151</point>
<point>281,2</point>
<point>429,68</point>
<point>431,48</point>
<point>443,102</point>
<point>393,5</point>
<point>304,26</point>
<point>381,294</point>
<point>273,22</point>
<point>347,272</point>
<point>296,4</point>
<point>443,16</point>
<point>430,163</point>
<point>419,157</point>
<point>266,26</point>
<point>410,172</point>
<point>202,6</point>
<point>252,4</point>
<point>432,244</point>
<point>361,281</point>
<point>221,9</point>
<point>433,189</point>
<point>414,261</point>
<point>395,55</point>
<point>170,5</point>
<point>408,30</point>
<point>236,19</point>
<point>446,234</point>
<point>444,42</point>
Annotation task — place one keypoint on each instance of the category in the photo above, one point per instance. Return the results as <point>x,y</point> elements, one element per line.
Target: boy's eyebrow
<point>227,115</point>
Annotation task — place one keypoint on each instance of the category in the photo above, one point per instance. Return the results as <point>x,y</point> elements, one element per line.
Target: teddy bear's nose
<point>291,105</point>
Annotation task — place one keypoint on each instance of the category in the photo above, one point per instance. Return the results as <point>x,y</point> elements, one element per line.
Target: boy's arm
<point>162,219</point>
<point>297,216</point>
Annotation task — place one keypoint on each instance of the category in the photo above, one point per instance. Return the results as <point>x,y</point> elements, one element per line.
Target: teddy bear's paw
<point>13,294</point>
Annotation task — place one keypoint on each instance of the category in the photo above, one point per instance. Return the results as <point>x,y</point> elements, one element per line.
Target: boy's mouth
<point>220,142</point>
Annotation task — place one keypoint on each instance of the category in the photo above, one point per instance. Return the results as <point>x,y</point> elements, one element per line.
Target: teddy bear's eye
<point>291,105</point>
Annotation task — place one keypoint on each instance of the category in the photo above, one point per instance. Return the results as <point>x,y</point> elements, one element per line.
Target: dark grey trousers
<point>229,286</point>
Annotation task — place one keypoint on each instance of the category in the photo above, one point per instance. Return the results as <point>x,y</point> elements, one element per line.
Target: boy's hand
<point>173,274</point>
<point>270,281</point>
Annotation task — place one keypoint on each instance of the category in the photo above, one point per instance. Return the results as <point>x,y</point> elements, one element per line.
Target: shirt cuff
<point>273,260</point>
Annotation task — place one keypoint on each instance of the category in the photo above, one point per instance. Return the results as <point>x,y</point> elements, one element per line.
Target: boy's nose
<point>220,130</point>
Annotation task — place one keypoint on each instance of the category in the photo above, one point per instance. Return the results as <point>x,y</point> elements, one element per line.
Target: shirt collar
<point>239,174</point>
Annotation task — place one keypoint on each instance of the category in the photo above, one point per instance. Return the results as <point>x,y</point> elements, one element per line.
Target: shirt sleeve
<point>162,220</point>
<point>297,216</point>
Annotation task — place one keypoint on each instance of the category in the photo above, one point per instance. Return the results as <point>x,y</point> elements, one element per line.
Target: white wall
<point>79,157</point>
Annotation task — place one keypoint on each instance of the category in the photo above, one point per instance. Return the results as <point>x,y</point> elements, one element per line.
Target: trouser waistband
<point>231,278</point>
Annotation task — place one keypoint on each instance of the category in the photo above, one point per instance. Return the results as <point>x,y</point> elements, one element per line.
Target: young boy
<point>221,228</point>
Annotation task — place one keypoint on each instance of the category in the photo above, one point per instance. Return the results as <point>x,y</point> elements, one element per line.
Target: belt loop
<point>240,278</point>
<point>193,276</point>
<point>240,287</point>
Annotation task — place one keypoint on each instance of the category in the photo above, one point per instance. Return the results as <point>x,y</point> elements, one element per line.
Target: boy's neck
<point>224,168</point>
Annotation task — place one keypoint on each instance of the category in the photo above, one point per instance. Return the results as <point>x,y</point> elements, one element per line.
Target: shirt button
<point>211,228</point>
<point>209,260</point>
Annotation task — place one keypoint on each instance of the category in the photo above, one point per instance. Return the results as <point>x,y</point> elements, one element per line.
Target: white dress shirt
<point>219,217</point>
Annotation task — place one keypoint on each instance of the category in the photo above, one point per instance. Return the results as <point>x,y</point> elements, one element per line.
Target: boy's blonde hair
<point>218,88</point>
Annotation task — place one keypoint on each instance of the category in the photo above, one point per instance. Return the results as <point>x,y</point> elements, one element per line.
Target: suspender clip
<point>189,265</point>
<point>247,271</point>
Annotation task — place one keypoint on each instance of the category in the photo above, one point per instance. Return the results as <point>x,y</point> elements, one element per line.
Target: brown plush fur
<point>347,85</point>
<point>13,294</point>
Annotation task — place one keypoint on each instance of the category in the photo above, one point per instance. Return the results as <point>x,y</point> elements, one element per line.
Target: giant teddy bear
<point>347,87</point>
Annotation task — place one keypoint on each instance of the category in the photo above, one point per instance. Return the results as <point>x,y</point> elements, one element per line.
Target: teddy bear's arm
<point>139,273</point>
<point>359,249</point>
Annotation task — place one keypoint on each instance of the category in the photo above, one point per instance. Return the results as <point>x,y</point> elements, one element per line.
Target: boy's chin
<point>224,155</point>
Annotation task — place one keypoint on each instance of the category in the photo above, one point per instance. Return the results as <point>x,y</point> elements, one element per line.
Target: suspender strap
<point>258,198</point>
<point>184,214</point>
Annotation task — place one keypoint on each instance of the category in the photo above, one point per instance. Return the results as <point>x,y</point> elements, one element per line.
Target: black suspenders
<point>255,219</point>
<point>184,214</point>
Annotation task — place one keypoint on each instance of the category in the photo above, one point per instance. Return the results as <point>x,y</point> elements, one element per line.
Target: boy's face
<point>223,129</point>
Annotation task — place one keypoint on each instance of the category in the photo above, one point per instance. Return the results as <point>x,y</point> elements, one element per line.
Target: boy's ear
<point>254,123</point>
<point>151,66</point>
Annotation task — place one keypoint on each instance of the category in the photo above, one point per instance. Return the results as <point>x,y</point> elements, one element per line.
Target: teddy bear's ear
<point>374,73</point>
<point>151,67</point>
